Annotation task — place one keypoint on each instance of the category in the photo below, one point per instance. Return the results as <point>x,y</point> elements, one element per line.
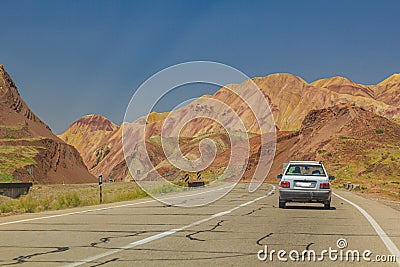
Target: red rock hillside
<point>29,151</point>
<point>291,100</point>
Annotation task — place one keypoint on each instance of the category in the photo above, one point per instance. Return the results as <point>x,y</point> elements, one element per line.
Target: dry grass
<point>56,197</point>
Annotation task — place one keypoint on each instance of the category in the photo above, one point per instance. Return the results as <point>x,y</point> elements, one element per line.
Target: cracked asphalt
<point>231,239</point>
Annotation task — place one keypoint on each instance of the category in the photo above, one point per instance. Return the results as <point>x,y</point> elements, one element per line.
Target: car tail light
<point>285,184</point>
<point>324,186</point>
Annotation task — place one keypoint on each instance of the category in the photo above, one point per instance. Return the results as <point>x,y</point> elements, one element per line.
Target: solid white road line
<point>74,213</point>
<point>385,238</point>
<point>167,233</point>
<point>108,208</point>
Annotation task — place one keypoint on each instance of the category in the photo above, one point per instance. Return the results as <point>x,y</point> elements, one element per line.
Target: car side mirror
<point>279,176</point>
<point>331,178</point>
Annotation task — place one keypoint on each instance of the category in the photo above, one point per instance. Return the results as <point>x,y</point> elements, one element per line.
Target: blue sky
<point>72,58</point>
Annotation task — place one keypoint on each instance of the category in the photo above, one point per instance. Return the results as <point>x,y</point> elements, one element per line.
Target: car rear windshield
<point>305,170</point>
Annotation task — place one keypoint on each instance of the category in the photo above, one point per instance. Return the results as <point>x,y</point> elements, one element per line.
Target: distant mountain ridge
<point>291,100</point>
<point>87,134</point>
<point>94,122</point>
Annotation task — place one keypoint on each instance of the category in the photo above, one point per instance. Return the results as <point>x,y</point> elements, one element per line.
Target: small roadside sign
<point>101,186</point>
<point>187,177</point>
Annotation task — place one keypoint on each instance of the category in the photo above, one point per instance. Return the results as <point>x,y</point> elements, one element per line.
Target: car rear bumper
<point>304,195</point>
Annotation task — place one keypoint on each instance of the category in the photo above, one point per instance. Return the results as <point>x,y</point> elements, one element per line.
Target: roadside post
<point>101,187</point>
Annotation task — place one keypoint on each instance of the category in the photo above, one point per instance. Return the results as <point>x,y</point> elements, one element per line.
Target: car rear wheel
<point>282,204</point>
<point>327,205</point>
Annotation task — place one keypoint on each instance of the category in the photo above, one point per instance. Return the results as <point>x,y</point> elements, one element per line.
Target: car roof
<point>305,162</point>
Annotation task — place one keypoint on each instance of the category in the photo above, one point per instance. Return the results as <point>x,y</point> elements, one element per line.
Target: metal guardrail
<point>350,186</point>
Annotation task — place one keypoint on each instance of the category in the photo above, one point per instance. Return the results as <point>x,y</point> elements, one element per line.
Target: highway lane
<point>228,232</point>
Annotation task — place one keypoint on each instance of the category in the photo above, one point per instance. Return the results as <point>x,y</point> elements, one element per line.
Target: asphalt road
<point>228,232</point>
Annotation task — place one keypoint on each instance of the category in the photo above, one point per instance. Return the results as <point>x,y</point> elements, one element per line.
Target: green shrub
<point>6,207</point>
<point>9,137</point>
<point>181,183</point>
<point>46,203</point>
<point>379,131</point>
<point>68,200</point>
<point>124,196</point>
<point>27,204</point>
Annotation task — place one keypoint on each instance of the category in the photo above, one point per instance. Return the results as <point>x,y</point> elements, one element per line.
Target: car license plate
<point>304,184</point>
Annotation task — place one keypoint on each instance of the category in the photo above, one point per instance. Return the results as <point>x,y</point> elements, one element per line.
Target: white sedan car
<point>305,181</point>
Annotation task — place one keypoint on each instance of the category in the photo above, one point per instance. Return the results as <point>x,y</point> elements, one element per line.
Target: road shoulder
<point>387,217</point>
